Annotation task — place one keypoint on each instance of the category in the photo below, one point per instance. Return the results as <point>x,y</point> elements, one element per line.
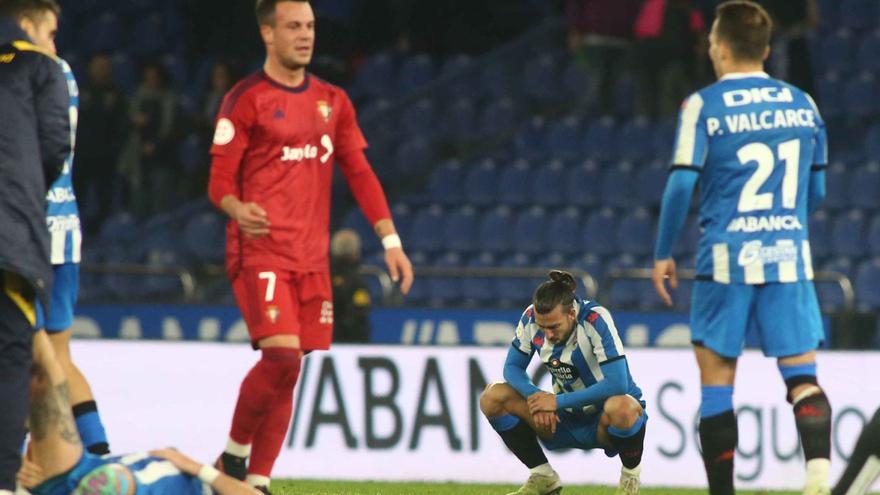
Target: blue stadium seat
<point>413,157</point>
<point>403,218</point>
<point>205,237</point>
<point>162,287</point>
<point>840,264</point>
<point>563,138</point>
<point>375,78</point>
<point>582,185</point>
<point>419,292</point>
<point>829,89</point>
<point>459,121</point>
<point>495,231</point>
<point>541,80</point>
<point>635,233</point>
<point>618,185</point>
<point>625,95</point>
<point>848,234</point>
<point>418,119</point>
<point>564,231</point>
<point>860,95</point>
<point>515,184</point>
<point>625,293</point>
<point>415,72</point>
<point>530,231</point>
<point>530,139</point>
<point>446,185</point>
<point>650,183</point>
<point>425,234</point>
<point>837,187</point>
<point>455,71</point>
<point>820,235</point>
<point>577,80</point>
<point>663,140</point>
<point>829,13</point>
<point>872,142</point>
<point>864,187</point>
<point>634,140</point>
<point>497,80</point>
<point>858,14</point>
<point>874,235</point>
<point>444,291</point>
<point>498,117</point>
<point>515,291</point>
<point>599,139</point>
<point>478,291</point>
<point>591,263</point>
<point>836,51</point>
<point>867,52</point>
<point>460,230</point>
<point>830,296</point>
<point>121,227</point>
<point>549,185</point>
<point>598,237</point>
<point>481,184</point>
<point>551,261</point>
<point>867,285</point>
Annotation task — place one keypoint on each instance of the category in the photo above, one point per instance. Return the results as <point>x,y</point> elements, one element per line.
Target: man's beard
<point>290,64</point>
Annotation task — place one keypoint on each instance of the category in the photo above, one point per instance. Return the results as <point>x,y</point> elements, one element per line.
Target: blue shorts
<point>785,317</point>
<point>65,290</point>
<point>579,431</point>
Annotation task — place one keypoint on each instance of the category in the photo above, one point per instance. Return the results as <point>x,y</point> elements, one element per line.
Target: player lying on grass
<point>595,403</point>
<point>57,462</point>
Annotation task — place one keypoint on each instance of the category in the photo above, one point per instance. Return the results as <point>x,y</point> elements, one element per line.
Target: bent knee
<point>622,410</point>
<point>493,398</point>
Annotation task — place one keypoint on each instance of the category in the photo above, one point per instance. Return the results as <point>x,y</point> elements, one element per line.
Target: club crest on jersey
<point>325,110</point>
<point>272,313</point>
<point>538,340</point>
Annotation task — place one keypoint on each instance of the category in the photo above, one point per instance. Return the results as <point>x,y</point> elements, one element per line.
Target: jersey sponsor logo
<point>761,121</point>
<point>755,252</point>
<point>224,132</point>
<point>766,223</point>
<point>740,97</point>
<point>325,110</point>
<point>6,58</point>
<point>62,223</point>
<point>307,152</point>
<point>562,371</point>
<point>60,194</point>
<point>326,313</point>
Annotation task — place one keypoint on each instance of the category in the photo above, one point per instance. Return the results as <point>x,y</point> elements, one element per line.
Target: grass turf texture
<point>313,487</point>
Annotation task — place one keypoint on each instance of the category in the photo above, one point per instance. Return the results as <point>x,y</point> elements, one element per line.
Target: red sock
<point>274,372</point>
<point>270,435</point>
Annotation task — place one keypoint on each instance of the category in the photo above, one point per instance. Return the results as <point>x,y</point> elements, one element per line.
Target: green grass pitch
<point>314,487</point>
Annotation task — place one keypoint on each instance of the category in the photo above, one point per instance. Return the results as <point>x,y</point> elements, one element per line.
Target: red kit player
<point>278,134</point>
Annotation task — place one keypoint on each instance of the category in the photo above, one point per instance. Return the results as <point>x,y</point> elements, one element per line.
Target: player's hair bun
<point>564,278</point>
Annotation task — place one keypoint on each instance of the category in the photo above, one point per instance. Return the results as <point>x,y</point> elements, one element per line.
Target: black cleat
<point>232,465</point>
<point>263,489</point>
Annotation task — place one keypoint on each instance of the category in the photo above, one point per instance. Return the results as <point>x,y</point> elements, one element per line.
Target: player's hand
<point>30,474</point>
<point>542,402</point>
<point>400,268</point>
<point>546,423</point>
<point>180,461</point>
<point>252,220</point>
<point>664,269</point>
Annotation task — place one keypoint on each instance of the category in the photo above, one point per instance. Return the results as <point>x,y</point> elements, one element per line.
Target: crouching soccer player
<point>56,453</point>
<point>595,404</point>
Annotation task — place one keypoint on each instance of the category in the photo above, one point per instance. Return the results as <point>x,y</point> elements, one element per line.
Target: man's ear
<point>267,33</point>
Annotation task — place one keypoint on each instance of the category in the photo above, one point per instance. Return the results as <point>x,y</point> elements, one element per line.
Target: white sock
<point>256,480</point>
<point>237,449</point>
<point>544,470</point>
<point>636,471</point>
<point>817,472</point>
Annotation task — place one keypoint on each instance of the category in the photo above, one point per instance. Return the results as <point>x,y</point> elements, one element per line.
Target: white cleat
<point>539,484</point>
<point>629,481</point>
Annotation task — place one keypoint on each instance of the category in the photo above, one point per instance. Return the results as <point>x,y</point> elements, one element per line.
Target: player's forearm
<point>614,383</point>
<point>673,211</point>
<point>222,178</point>
<point>515,373</point>
<point>229,204</point>
<point>227,485</point>
<point>817,189</point>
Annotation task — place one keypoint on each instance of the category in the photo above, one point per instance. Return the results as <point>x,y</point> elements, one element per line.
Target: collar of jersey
<point>298,89</point>
<point>743,75</point>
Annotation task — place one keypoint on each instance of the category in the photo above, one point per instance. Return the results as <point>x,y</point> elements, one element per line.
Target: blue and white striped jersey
<point>754,140</point>
<point>575,364</point>
<point>62,215</point>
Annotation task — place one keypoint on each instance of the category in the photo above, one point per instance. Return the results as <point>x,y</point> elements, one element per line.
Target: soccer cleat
<point>263,489</point>
<point>629,481</point>
<point>232,465</point>
<point>539,484</point>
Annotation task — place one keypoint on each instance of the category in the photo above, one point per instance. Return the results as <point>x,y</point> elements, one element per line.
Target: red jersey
<point>275,146</point>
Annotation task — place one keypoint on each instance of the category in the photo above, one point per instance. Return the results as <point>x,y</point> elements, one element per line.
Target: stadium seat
<point>830,296</point>
<point>829,13</point>
<point>455,72</point>
<point>478,291</point>
<point>820,235</point>
<point>858,14</point>
<point>634,140</point>
<point>564,231</point>
<point>591,263</point>
<point>583,185</point>
<point>650,183</point>
<point>119,228</point>
<point>403,218</point>
<point>598,235</point>
<point>495,231</point>
<point>830,92</point>
<point>848,234</point>
<point>497,117</point>
<point>375,78</point>
<point>515,184</point>
<point>618,186</point>
<point>562,140</point>
<point>530,139</point>
<point>418,119</point>
<point>864,187</point>
<point>515,292</point>
<point>860,95</point>
<point>635,233</point>
<point>481,184</point>
<point>600,139</point>
<point>459,121</point>
<point>446,185</point>
<point>530,231</point>
<point>413,158</point>
<point>869,47</point>
<point>415,72</point>
<point>425,235</point>
<point>867,285</point>
<point>663,140</point>
<point>874,235</point>
<point>205,237</point>
<point>577,81</point>
<point>549,185</point>
<point>162,287</point>
<point>497,80</point>
<point>836,51</point>
<point>836,187</point>
<point>541,80</point>
<point>625,95</point>
<point>872,142</point>
<point>840,264</point>
<point>445,291</point>
<point>460,230</point>
<point>625,293</point>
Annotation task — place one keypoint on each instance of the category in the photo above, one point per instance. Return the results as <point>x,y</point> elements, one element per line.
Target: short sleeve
<point>603,335</point>
<point>691,138</point>
<point>233,126</point>
<point>820,138</point>
<point>522,339</point>
<point>348,134</point>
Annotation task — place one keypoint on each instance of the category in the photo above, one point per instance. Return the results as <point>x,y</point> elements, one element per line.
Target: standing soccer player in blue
<point>65,235</point>
<point>757,146</point>
<point>595,403</point>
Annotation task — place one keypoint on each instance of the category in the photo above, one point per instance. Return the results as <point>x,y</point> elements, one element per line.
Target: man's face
<point>41,29</point>
<point>558,324</point>
<point>292,38</point>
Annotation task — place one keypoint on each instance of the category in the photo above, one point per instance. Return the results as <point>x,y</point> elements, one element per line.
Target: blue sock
<point>716,400</point>
<point>632,430</point>
<point>504,423</point>
<point>791,371</point>
<point>91,430</point>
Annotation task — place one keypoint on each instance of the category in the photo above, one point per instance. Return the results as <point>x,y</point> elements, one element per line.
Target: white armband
<point>208,474</point>
<point>391,241</point>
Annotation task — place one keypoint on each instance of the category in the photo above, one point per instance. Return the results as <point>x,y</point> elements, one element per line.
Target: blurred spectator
<point>103,127</point>
<point>222,79</point>
<point>600,34</point>
<point>146,158</point>
<point>351,299</point>
<point>670,42</point>
<point>794,20</point>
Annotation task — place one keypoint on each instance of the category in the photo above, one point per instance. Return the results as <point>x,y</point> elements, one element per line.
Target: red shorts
<point>276,302</point>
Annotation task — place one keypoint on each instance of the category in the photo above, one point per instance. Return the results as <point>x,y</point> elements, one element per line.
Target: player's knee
<point>623,411</point>
<point>800,381</point>
<point>492,399</point>
<point>284,364</point>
